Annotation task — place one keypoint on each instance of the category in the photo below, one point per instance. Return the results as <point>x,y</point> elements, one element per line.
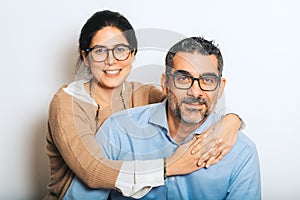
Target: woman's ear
<point>163,83</point>
<point>85,59</point>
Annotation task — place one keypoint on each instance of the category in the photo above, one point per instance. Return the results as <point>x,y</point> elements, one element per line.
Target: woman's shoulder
<point>67,93</point>
<point>60,98</point>
<point>148,92</point>
<point>142,87</point>
<point>60,93</point>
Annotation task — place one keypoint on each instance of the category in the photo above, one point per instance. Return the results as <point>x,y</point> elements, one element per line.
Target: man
<point>193,83</point>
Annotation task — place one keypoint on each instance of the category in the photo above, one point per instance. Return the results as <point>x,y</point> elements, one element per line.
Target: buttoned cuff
<point>137,178</point>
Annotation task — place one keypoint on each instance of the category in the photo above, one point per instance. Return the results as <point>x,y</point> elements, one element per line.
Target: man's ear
<point>163,83</point>
<point>85,60</point>
<point>222,86</point>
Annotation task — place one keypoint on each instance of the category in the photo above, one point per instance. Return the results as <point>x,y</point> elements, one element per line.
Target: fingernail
<point>193,152</point>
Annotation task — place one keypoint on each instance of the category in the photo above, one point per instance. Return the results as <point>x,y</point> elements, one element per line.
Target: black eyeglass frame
<point>89,50</point>
<point>185,73</point>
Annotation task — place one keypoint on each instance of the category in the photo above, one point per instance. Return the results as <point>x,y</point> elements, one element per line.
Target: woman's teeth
<point>112,72</point>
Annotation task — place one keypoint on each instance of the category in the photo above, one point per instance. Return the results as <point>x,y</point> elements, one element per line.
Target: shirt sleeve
<point>245,179</point>
<point>137,178</point>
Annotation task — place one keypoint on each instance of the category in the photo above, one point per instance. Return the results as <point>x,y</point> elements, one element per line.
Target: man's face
<point>192,105</point>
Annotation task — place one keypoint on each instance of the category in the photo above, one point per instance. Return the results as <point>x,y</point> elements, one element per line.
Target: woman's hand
<point>183,161</point>
<point>212,145</point>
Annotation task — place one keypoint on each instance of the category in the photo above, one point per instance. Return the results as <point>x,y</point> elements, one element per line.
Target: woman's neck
<point>103,96</point>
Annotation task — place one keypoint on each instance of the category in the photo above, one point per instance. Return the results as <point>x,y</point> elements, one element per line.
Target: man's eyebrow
<point>188,73</point>
<point>209,74</point>
<point>182,72</point>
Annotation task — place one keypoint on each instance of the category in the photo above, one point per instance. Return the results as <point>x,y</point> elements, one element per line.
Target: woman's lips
<point>112,73</point>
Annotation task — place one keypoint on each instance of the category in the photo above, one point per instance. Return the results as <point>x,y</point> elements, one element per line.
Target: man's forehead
<point>195,63</point>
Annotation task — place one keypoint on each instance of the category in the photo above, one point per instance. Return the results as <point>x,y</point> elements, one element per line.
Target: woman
<point>107,48</point>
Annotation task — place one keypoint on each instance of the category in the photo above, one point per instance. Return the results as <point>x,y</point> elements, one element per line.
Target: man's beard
<point>190,115</point>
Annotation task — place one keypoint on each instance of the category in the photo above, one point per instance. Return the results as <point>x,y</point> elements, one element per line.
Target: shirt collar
<point>159,115</point>
<point>76,89</point>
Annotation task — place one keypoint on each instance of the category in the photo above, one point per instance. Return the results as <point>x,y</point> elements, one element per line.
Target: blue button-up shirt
<point>142,133</point>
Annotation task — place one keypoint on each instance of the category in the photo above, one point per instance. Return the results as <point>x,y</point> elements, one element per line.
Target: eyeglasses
<point>184,80</point>
<point>100,53</point>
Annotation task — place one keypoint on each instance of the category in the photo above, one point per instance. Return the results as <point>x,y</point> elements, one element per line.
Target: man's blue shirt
<point>142,133</point>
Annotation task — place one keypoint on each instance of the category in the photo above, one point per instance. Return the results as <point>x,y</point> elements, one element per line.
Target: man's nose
<point>195,90</point>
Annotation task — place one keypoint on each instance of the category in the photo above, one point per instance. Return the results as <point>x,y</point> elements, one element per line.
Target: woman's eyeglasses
<point>100,53</point>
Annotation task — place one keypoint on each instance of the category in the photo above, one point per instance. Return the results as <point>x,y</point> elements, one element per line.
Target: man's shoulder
<point>131,121</point>
<point>134,117</point>
<point>244,144</point>
<point>245,140</point>
<point>141,111</point>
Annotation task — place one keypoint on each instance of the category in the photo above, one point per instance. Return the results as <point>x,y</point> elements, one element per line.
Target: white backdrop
<point>259,40</point>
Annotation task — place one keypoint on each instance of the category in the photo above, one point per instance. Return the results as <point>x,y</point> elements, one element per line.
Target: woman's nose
<point>110,58</point>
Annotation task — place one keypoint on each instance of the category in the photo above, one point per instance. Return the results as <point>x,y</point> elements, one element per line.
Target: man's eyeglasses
<point>100,53</point>
<point>184,80</point>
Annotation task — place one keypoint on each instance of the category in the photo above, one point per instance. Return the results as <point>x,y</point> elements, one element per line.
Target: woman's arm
<point>71,147</point>
<point>72,128</point>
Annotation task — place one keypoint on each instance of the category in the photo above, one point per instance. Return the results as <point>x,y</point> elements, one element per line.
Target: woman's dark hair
<point>103,19</point>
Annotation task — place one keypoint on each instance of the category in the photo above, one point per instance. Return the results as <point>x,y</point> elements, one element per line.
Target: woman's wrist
<point>242,123</point>
<point>168,169</point>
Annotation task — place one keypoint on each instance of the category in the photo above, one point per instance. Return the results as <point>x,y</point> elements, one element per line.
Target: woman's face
<point>111,72</point>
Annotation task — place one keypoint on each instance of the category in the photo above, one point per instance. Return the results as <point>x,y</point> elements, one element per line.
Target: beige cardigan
<point>71,147</point>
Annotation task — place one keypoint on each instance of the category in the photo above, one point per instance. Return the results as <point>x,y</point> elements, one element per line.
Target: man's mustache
<point>194,100</point>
